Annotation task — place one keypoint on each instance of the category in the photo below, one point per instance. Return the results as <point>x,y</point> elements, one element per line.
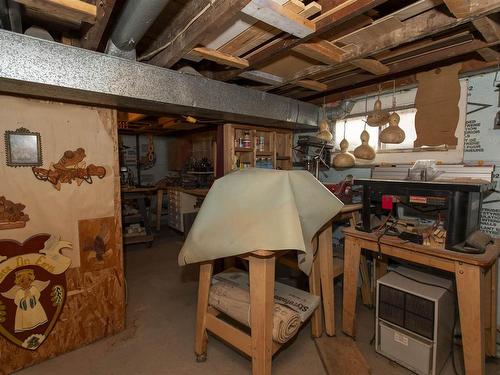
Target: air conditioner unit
<point>414,319</point>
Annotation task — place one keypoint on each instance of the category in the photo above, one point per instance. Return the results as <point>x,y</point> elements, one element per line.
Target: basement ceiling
<point>307,50</point>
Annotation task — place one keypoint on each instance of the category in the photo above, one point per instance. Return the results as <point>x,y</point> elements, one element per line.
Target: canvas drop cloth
<point>260,209</point>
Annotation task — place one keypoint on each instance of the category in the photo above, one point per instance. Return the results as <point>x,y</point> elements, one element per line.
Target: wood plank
<point>71,10</point>
<point>261,274</point>
<point>295,6</point>
<point>286,42</point>
<point>325,258</point>
<point>312,85</point>
<point>191,25</point>
<point>352,256</point>
<point>341,355</point>
<point>94,37</point>
<point>311,9</point>
<point>201,337</point>
<point>415,28</point>
<point>489,29</point>
<point>262,77</point>
<point>278,16</point>
<point>219,57</point>
<point>238,25</point>
<point>459,8</point>
<point>321,50</point>
<point>489,54</point>
<point>469,290</point>
<point>371,65</point>
<point>315,288</point>
<point>253,37</point>
<point>372,32</point>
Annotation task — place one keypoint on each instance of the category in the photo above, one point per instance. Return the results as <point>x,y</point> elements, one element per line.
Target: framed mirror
<point>23,148</point>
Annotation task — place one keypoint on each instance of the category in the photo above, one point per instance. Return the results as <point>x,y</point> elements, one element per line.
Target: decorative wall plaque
<point>71,167</point>
<point>12,215</point>
<point>23,148</point>
<point>32,288</point>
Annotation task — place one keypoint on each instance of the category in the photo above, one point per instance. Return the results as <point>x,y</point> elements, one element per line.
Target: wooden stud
<point>71,10</point>
<point>295,6</point>
<point>490,309</point>
<point>261,313</point>
<point>219,57</point>
<point>273,14</point>
<point>352,255</point>
<point>201,338</point>
<point>325,255</point>
<point>469,289</point>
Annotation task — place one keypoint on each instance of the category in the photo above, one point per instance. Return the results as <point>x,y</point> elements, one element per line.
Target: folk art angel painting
<point>32,288</point>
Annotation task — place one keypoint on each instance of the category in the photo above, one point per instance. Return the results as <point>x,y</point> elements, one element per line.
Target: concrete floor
<point>160,330</point>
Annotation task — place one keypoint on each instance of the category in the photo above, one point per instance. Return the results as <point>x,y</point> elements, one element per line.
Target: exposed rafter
<point>195,21</point>
<point>93,38</point>
<point>70,10</point>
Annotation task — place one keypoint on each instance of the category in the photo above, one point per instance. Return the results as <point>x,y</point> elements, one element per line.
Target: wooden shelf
<point>263,153</point>
<point>141,238</point>
<point>243,149</point>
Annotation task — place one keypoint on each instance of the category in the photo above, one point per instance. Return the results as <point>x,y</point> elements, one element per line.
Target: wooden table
<point>476,280</point>
<point>259,344</point>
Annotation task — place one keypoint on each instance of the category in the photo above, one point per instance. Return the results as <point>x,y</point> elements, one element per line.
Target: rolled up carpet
<point>235,302</point>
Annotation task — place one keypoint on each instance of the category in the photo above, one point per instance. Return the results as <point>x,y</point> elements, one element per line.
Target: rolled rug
<point>235,302</point>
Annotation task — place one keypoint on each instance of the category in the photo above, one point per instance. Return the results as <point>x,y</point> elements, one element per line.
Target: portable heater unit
<point>414,319</point>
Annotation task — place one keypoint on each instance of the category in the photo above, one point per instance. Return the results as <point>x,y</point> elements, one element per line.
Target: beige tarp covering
<point>259,209</point>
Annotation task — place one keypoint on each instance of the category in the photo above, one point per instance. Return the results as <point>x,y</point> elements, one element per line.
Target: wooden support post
<point>352,255</point>
<point>315,288</point>
<point>469,289</point>
<point>490,309</point>
<point>159,206</point>
<point>261,312</point>
<point>200,346</point>
<point>325,254</point>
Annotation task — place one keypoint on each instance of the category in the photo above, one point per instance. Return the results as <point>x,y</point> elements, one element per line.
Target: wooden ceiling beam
<point>192,24</point>
<point>70,10</point>
<point>424,25</point>
<point>469,66</point>
<point>283,44</point>
<point>321,50</point>
<point>372,66</point>
<point>279,16</point>
<point>459,8</point>
<point>489,54</point>
<point>489,28</point>
<point>409,64</point>
<point>94,37</point>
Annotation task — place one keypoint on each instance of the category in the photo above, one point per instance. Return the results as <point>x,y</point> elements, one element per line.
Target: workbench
<point>476,282</point>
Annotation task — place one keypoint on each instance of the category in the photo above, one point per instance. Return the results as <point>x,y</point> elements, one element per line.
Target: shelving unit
<point>267,148</point>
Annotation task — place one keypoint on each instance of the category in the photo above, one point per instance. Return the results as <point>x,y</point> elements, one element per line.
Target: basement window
<point>355,125</point>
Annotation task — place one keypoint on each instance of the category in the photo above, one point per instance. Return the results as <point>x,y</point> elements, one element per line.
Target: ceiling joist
<point>75,11</point>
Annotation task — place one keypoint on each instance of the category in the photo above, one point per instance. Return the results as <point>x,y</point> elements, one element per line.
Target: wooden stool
<point>259,345</point>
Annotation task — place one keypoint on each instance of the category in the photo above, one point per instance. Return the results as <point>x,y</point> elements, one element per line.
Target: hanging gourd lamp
<point>393,133</point>
<point>364,151</point>
<point>343,159</point>
<point>324,132</point>
<point>378,117</point>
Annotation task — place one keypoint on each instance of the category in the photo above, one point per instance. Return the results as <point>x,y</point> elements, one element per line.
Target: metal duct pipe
<point>135,19</point>
<point>16,23</point>
<point>54,71</point>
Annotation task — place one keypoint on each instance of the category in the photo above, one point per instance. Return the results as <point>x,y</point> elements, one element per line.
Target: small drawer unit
<point>179,203</point>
